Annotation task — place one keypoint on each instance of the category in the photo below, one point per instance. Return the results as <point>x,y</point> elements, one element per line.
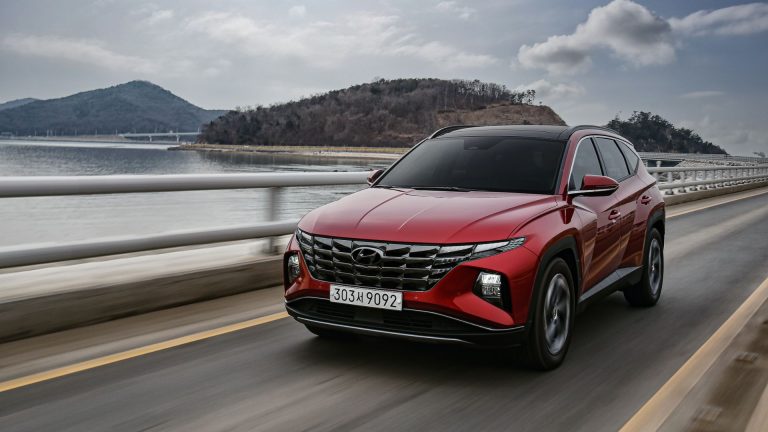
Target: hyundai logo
<point>367,255</point>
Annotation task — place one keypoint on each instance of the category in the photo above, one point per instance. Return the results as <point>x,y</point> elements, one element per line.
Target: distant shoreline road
<point>86,138</point>
<point>322,151</point>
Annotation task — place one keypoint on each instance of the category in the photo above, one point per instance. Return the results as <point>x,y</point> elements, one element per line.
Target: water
<point>72,218</point>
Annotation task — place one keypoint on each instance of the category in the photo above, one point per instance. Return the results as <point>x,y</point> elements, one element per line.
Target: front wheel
<point>553,317</point>
<point>646,293</point>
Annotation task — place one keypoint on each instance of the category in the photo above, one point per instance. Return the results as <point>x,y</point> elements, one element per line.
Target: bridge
<point>151,136</point>
<point>187,331</point>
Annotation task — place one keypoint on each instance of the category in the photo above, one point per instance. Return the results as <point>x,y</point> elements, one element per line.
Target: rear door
<point>623,215</point>
<point>598,215</point>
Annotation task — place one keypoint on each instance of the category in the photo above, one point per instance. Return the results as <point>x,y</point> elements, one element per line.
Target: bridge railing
<point>689,179</point>
<point>702,157</point>
<point>673,180</point>
<point>17,187</point>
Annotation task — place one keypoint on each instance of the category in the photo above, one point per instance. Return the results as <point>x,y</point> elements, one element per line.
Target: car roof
<point>553,132</point>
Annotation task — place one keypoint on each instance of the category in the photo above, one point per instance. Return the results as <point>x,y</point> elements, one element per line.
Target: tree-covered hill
<point>651,133</point>
<point>136,106</point>
<point>381,113</point>
<point>15,103</point>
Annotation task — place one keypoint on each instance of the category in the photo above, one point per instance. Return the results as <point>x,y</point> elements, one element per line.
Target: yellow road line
<point>656,410</point>
<point>136,352</point>
<point>724,200</point>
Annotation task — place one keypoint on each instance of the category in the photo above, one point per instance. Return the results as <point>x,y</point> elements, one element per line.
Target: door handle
<point>645,199</point>
<point>615,214</point>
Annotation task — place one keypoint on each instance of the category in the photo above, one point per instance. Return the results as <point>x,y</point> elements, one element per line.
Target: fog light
<point>292,267</point>
<point>488,286</point>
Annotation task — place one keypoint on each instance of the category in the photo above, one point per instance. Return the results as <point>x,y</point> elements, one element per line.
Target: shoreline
<point>388,153</point>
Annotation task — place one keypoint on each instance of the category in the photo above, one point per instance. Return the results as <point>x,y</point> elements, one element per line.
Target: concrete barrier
<point>57,298</point>
<point>56,306</point>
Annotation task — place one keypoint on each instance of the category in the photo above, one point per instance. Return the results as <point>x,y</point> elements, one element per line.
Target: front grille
<point>414,267</point>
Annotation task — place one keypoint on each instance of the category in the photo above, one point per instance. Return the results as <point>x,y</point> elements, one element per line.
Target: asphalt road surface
<point>277,376</point>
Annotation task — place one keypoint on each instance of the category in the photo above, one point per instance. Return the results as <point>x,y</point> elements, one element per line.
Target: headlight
<point>483,250</point>
<point>292,269</point>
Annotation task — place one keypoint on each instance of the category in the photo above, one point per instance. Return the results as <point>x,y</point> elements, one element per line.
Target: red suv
<point>483,235</point>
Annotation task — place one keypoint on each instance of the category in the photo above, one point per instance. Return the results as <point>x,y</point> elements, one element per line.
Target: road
<point>277,376</point>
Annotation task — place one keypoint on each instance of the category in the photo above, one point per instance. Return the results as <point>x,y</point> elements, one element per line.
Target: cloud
<point>703,94</point>
<point>636,35</point>
<point>734,20</point>
<point>327,44</point>
<point>76,50</point>
<point>297,11</point>
<point>628,30</point>
<point>453,7</point>
<point>549,90</point>
<point>159,16</point>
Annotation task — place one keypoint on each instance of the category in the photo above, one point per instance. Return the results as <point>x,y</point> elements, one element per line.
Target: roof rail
<point>445,130</point>
<point>571,130</point>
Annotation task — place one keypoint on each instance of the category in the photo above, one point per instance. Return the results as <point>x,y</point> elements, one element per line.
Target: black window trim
<point>600,155</point>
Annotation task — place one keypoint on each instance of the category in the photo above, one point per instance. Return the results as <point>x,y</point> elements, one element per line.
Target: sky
<point>701,64</point>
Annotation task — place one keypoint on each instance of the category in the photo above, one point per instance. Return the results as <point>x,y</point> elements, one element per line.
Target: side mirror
<point>374,175</point>
<point>594,185</point>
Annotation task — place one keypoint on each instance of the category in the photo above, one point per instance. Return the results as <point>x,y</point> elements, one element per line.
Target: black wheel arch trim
<point>566,243</point>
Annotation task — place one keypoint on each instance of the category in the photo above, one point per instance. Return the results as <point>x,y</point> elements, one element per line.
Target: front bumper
<point>410,324</point>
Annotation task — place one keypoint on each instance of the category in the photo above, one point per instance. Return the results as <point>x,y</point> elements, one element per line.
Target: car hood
<point>422,216</point>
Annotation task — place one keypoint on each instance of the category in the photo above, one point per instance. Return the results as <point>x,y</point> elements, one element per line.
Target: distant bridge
<point>153,135</point>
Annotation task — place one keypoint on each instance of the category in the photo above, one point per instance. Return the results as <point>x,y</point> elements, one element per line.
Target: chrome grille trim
<point>407,267</point>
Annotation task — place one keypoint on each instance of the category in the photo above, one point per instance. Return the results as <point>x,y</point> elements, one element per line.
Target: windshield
<point>502,164</point>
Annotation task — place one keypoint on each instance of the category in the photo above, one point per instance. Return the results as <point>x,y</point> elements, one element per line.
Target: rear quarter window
<point>632,159</point>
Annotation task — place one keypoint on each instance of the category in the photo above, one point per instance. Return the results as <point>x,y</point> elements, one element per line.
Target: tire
<point>328,333</point>
<point>646,293</point>
<point>553,317</point>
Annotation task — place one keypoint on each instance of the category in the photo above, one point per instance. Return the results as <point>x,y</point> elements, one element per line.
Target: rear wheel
<point>553,317</point>
<point>646,293</point>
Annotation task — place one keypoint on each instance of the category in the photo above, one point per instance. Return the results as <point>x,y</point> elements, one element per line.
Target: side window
<point>585,162</point>
<point>630,156</point>
<point>615,165</point>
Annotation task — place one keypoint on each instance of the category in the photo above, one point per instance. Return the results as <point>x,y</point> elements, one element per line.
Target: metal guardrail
<point>702,157</point>
<point>687,179</point>
<point>16,187</point>
<point>670,179</point>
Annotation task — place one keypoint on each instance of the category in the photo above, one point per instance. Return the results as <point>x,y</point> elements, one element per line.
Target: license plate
<point>367,297</point>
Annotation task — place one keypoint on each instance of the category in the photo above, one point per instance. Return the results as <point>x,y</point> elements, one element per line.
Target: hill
<point>392,113</point>
<point>137,106</point>
<point>15,103</point>
<point>652,133</point>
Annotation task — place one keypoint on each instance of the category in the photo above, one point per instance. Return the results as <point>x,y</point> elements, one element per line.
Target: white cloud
<point>636,35</point>
<point>159,16</point>
<point>546,90</point>
<point>297,11</point>
<point>76,50</point>
<point>326,44</point>
<point>454,8</point>
<point>629,30</point>
<point>702,94</point>
<point>734,20</point>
